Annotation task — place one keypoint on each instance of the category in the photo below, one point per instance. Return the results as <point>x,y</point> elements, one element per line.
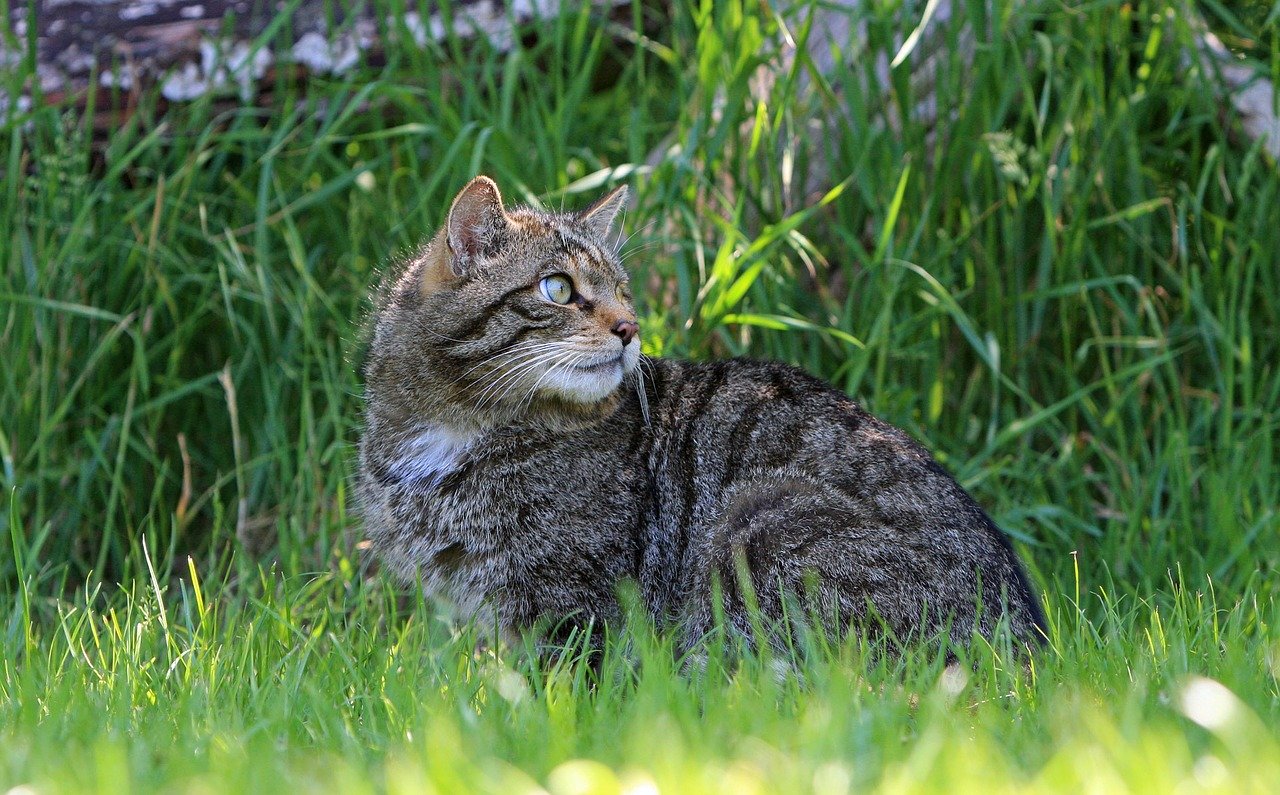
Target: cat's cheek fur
<point>588,387</point>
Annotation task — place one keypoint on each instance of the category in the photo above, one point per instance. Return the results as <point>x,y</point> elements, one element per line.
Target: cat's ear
<point>476,221</point>
<point>600,216</point>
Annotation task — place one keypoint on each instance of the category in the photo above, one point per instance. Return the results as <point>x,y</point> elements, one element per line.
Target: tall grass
<point>1067,286</point>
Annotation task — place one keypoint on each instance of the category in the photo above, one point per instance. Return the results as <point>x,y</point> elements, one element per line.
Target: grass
<point>322,683</point>
<point>1067,286</point>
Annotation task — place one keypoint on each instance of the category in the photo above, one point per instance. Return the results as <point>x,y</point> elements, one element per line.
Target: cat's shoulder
<point>724,389</point>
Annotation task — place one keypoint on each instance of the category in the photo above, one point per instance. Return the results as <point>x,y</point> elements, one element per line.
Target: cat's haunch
<point>521,459</point>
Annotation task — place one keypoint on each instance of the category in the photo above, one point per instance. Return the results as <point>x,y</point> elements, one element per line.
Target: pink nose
<point>626,330</point>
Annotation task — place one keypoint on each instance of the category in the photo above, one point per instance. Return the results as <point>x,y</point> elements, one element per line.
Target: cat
<point>521,460</point>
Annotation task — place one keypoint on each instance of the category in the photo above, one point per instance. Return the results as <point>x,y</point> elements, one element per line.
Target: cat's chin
<point>586,385</point>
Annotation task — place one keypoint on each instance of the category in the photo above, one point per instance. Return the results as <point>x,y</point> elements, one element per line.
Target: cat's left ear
<point>476,221</point>
<point>600,216</point>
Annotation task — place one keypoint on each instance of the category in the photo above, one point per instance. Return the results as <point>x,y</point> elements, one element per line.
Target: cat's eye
<point>557,288</point>
<point>620,292</point>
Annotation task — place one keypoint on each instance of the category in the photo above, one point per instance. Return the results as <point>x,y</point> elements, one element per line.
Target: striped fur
<point>521,460</point>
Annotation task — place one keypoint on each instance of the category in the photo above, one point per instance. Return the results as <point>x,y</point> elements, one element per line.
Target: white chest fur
<point>432,454</point>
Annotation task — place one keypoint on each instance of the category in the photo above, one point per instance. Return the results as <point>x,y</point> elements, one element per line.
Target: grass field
<point>1070,288</point>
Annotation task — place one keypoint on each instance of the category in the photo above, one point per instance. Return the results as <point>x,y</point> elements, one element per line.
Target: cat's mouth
<point>600,366</point>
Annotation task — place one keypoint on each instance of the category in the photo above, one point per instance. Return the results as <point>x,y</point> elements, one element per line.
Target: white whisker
<point>510,364</point>
<point>640,392</point>
<point>528,399</point>
<point>637,250</point>
<point>513,383</point>
<point>513,352</point>
<point>511,377</point>
<point>629,237</point>
<point>444,337</point>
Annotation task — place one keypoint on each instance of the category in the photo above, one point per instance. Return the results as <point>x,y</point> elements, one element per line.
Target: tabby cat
<point>521,459</point>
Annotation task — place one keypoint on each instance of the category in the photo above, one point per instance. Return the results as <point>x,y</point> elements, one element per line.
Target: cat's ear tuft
<point>600,216</point>
<point>476,221</point>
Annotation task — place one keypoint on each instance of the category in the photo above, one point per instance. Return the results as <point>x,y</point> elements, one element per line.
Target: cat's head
<point>507,312</point>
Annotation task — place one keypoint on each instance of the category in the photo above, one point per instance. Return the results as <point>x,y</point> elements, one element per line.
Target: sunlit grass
<point>323,682</point>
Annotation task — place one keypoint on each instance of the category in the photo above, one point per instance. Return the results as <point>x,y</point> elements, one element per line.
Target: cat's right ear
<point>476,221</point>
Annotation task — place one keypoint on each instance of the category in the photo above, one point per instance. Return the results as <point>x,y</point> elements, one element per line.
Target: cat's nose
<point>626,330</point>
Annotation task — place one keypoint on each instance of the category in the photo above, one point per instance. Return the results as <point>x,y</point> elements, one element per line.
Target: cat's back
<point>720,422</point>
<point>738,440</point>
<point>762,415</point>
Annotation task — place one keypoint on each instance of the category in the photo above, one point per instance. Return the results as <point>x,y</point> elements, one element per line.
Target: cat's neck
<point>427,445</point>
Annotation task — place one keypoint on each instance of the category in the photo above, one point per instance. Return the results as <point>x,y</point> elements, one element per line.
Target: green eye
<point>558,289</point>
